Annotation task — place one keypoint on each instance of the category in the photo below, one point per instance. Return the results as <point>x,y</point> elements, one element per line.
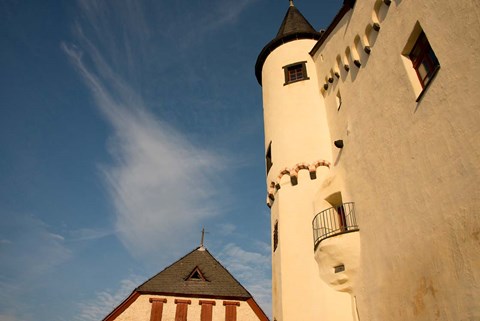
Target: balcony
<point>334,221</point>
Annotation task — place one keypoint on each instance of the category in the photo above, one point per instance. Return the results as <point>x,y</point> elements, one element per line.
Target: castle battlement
<point>274,186</point>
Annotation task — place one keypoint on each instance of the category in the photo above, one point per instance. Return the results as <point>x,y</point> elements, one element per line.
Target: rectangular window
<point>157,309</point>
<point>275,236</point>
<point>339,268</point>
<point>231,310</point>
<point>424,60</point>
<point>182,308</point>
<point>268,157</point>
<point>295,72</point>
<point>206,313</point>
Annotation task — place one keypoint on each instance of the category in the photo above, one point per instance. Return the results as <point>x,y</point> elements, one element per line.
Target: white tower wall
<point>290,109</point>
<point>296,129</point>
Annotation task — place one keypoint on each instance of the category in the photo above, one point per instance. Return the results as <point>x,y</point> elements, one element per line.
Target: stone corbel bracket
<point>274,186</point>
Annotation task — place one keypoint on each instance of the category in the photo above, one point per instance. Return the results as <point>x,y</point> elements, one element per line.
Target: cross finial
<point>291,3</point>
<point>203,237</point>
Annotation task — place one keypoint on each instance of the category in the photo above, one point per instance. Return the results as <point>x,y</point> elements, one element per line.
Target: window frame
<point>275,236</point>
<point>422,55</point>
<point>268,158</point>
<point>297,67</point>
<point>413,61</point>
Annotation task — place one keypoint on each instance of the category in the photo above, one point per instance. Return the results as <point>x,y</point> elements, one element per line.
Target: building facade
<point>195,288</point>
<point>372,145</point>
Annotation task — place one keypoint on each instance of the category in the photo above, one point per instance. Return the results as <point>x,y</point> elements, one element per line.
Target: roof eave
<point>277,42</point>
<point>347,6</point>
<point>198,295</point>
<point>122,307</point>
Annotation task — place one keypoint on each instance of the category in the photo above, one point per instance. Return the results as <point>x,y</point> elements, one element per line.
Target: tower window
<point>424,60</point>
<point>275,236</point>
<point>295,72</point>
<point>268,157</point>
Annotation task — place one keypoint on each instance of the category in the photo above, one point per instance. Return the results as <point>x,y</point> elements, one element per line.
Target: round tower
<point>294,116</point>
<point>297,150</point>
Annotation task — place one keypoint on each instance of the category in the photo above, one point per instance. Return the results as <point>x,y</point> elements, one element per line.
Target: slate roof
<point>293,27</point>
<point>294,22</point>
<point>173,280</point>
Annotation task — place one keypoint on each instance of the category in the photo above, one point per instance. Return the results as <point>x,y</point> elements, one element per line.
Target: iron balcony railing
<point>334,221</point>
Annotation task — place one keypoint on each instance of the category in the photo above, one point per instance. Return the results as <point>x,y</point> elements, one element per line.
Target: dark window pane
<point>424,60</point>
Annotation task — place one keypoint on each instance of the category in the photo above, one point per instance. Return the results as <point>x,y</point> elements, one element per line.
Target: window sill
<point>294,81</point>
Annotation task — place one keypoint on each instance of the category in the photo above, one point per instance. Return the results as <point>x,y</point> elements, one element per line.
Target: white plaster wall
<point>294,117</point>
<point>140,309</point>
<point>295,123</point>
<point>303,294</point>
<point>411,168</point>
<point>344,250</point>
<point>277,306</point>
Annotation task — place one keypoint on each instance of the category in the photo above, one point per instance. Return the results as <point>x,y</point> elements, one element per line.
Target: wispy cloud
<point>161,184</point>
<point>216,15</point>
<point>252,269</point>
<point>225,229</point>
<point>88,234</point>
<point>32,249</point>
<point>31,252</point>
<point>105,301</point>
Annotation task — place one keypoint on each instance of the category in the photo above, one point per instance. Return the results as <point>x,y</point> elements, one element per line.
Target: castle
<point>372,146</point>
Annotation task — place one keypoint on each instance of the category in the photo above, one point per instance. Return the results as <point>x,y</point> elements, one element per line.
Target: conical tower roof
<point>196,274</point>
<point>294,22</point>
<point>294,26</point>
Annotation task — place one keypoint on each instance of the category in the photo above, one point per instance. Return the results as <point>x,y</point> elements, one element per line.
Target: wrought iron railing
<point>334,221</point>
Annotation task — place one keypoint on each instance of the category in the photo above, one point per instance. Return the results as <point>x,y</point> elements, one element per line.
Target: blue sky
<point>127,126</point>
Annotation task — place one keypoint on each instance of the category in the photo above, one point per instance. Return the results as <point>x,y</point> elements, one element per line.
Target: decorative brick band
<point>293,173</point>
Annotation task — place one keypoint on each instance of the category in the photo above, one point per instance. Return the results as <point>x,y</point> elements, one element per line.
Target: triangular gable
<point>175,279</point>
<point>184,278</point>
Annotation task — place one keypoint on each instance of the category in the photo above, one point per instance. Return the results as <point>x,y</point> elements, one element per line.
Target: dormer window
<point>295,72</point>
<point>196,275</point>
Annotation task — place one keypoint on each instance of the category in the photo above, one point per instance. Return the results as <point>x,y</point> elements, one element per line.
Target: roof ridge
<point>228,272</point>
<point>166,268</point>
<point>174,278</point>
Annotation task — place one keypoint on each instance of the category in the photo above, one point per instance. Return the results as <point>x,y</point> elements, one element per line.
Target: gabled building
<point>372,147</point>
<point>195,288</point>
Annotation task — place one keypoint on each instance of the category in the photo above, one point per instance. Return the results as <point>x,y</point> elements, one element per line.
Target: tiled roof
<point>174,280</point>
<point>294,22</point>
<point>293,27</point>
